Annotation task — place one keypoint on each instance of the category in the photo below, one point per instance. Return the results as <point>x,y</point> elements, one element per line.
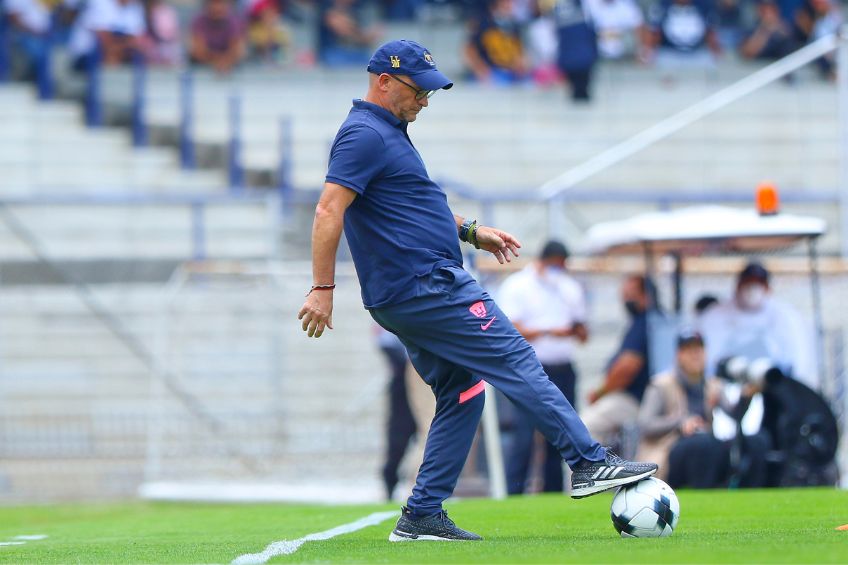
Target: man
<point>217,37</point>
<point>110,29</point>
<point>404,241</point>
<point>547,307</point>
<point>754,325</point>
<point>615,403</point>
<point>494,53</point>
<point>675,423</point>
<point>772,38</point>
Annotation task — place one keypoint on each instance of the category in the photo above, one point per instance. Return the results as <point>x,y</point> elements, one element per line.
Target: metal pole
<point>492,441</point>
<point>139,128</point>
<point>678,285</point>
<point>235,169</point>
<point>198,231</point>
<point>44,71</point>
<point>284,180</point>
<point>818,320</point>
<point>842,79</point>
<point>4,51</point>
<point>186,115</point>
<point>93,108</point>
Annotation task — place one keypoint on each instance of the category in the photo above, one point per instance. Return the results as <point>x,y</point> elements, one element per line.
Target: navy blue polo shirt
<point>399,227</point>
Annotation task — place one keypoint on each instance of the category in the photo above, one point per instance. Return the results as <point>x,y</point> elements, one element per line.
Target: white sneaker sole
<point>583,492</point>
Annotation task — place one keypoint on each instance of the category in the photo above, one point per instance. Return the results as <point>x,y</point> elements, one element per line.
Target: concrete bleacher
<point>73,393</point>
<point>45,148</point>
<point>516,139</point>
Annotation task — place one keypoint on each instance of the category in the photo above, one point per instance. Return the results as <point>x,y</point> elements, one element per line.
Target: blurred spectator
<point>704,303</point>
<point>267,35</point>
<point>772,38</point>
<point>110,29</point>
<point>217,37</point>
<point>342,39</point>
<point>28,31</point>
<point>400,423</point>
<point>615,404</point>
<point>730,26</point>
<point>546,305</point>
<point>682,34</point>
<point>618,24</point>
<point>814,20</point>
<point>675,419</point>
<point>542,45</point>
<point>755,324</point>
<point>494,51</point>
<point>400,10</point>
<point>162,40</point>
<point>578,49</point>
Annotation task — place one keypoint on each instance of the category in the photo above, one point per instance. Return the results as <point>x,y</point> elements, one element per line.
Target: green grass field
<point>774,526</point>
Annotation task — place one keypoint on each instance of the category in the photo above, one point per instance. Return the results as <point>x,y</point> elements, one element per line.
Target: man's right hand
<point>317,312</point>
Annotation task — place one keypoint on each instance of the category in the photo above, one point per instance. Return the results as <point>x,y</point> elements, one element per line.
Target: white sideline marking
<point>287,547</point>
<point>21,540</point>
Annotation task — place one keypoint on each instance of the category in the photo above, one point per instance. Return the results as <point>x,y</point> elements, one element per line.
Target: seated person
<point>28,27</point>
<point>682,34</point>
<point>815,19</point>
<point>494,52</point>
<point>111,28</point>
<point>618,24</point>
<point>217,37</point>
<point>675,423</point>
<point>772,38</point>
<point>267,36</point>
<point>755,324</point>
<point>162,41</point>
<point>615,403</point>
<point>342,38</point>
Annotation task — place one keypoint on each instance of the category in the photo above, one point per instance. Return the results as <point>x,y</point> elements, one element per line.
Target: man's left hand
<point>498,243</point>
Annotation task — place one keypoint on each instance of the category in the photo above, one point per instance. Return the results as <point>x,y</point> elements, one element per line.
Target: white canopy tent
<point>701,230</point>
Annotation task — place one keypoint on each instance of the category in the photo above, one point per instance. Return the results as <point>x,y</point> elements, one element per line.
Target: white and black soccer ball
<point>647,509</point>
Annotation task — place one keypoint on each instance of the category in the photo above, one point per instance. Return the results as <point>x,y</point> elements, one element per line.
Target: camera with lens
<point>761,373</point>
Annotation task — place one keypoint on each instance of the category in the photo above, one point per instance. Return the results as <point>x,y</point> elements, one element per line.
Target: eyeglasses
<point>420,93</point>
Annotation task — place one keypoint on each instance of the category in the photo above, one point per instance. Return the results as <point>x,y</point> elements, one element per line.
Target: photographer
<point>675,422</point>
<point>756,324</point>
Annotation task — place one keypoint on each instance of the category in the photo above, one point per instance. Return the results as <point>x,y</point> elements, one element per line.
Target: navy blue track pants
<point>457,337</point>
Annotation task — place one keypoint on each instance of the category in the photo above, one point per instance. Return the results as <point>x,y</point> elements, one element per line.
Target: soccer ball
<point>647,509</point>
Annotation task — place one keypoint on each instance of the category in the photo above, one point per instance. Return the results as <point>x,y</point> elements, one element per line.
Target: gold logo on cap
<point>429,58</point>
<point>395,61</point>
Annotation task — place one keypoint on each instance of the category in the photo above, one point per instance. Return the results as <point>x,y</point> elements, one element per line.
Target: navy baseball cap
<point>688,336</point>
<point>405,57</point>
<point>754,271</point>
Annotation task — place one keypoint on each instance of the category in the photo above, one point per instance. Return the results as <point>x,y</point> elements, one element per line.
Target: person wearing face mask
<point>547,306</point>
<point>755,324</point>
<point>615,403</point>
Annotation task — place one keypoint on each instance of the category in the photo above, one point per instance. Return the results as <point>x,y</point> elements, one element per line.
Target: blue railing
<point>197,203</point>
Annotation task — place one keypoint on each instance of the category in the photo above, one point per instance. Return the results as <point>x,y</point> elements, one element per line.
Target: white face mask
<point>752,296</point>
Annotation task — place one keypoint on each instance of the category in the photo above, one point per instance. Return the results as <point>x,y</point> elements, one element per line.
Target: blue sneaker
<point>437,527</point>
<point>592,477</point>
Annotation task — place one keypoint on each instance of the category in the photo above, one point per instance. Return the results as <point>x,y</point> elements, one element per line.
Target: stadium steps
<point>508,139</point>
<point>72,395</point>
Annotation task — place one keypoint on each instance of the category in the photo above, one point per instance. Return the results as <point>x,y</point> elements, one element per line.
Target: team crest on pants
<point>478,309</point>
